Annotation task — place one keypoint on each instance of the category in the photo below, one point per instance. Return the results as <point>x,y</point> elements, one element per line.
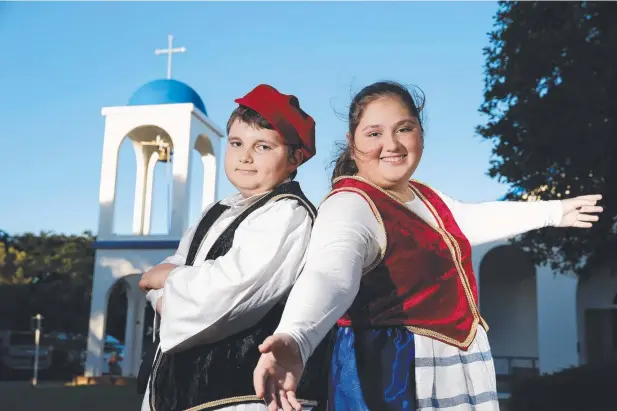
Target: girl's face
<point>388,143</point>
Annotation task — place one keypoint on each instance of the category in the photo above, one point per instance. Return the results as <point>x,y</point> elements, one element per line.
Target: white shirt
<point>347,238</point>
<point>217,298</point>
<point>213,299</point>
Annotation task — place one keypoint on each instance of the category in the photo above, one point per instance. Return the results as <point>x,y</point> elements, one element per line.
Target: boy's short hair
<point>256,120</point>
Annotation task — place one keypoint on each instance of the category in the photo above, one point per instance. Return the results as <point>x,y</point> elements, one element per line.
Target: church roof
<point>166,91</point>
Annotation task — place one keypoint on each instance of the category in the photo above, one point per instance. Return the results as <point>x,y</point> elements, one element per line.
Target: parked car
<point>17,352</point>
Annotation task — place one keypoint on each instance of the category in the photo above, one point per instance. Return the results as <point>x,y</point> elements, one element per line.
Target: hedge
<point>584,388</point>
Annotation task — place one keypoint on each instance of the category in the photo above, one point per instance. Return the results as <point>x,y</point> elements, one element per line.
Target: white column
<point>109,172</point>
<point>147,216</point>
<point>134,331</point>
<point>98,320</point>
<point>143,186</point>
<point>139,333</point>
<point>557,327</point>
<point>209,182</point>
<point>129,336</point>
<point>180,186</point>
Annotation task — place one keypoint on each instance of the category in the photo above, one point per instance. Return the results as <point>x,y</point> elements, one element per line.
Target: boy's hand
<point>154,279</point>
<point>159,306</point>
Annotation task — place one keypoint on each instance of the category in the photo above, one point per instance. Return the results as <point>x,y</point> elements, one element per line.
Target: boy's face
<point>256,160</point>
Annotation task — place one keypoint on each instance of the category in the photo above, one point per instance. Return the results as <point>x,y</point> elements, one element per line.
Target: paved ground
<point>20,396</point>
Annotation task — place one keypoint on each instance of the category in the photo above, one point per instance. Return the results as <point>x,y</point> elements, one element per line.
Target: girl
<point>389,261</point>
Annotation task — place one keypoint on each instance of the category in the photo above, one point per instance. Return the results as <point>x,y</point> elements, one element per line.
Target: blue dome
<point>166,91</point>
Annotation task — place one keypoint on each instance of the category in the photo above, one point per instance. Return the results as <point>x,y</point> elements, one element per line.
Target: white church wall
<point>477,255</point>
<point>508,303</point>
<point>556,320</point>
<point>110,266</point>
<point>175,120</point>
<point>531,311</point>
<point>510,309</point>
<point>207,142</point>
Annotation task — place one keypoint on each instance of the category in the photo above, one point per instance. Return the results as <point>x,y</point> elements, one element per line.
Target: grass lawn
<point>20,396</point>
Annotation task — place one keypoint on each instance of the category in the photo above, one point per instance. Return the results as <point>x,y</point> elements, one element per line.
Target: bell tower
<point>165,120</point>
<point>166,132</point>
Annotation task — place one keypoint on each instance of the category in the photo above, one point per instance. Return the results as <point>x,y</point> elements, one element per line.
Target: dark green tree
<point>49,274</point>
<point>551,101</point>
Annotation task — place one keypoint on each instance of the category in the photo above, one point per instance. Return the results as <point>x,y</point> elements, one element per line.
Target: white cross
<point>169,51</point>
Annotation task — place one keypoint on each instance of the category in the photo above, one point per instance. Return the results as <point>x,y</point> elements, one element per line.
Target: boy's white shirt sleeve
<point>223,296</point>
<point>153,296</point>
<point>495,220</point>
<point>178,258</point>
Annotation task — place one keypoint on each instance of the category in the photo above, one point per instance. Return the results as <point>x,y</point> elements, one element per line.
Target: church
<point>540,321</point>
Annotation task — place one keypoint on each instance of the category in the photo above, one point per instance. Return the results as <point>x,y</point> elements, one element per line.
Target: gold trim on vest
<point>452,245</point>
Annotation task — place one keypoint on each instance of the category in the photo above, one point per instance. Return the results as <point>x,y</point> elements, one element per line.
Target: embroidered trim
<point>459,258</point>
<point>456,257</point>
<point>245,398</point>
<point>239,400</point>
<point>214,213</point>
<point>376,187</point>
<point>308,207</point>
<point>377,214</point>
<point>152,385</point>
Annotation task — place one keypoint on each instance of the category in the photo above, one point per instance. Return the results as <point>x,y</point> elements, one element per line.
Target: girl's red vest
<point>424,279</point>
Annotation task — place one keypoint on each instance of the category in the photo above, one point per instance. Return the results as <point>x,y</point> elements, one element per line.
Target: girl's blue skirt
<point>372,369</point>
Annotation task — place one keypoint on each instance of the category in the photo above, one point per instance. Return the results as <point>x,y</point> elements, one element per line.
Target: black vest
<point>219,374</point>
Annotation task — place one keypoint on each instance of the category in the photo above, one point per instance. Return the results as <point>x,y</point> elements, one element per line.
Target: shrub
<point>584,388</point>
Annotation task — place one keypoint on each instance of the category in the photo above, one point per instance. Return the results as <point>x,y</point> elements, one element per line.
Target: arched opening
<point>196,180</point>
<point>160,217</point>
<point>115,328</point>
<point>508,299</point>
<point>144,182</point>
<point>124,327</point>
<point>125,189</point>
<point>597,318</point>
<point>203,171</point>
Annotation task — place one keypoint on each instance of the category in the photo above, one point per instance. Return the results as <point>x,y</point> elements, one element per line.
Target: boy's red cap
<point>283,112</point>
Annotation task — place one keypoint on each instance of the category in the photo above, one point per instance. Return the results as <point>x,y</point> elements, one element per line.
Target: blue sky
<point>62,62</point>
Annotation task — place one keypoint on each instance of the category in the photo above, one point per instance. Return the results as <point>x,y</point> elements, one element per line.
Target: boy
<point>220,295</point>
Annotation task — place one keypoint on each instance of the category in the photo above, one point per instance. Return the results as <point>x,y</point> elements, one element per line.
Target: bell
<point>164,154</point>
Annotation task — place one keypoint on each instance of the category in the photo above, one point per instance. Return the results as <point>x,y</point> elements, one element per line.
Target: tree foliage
<point>52,274</point>
<point>49,274</point>
<point>551,102</point>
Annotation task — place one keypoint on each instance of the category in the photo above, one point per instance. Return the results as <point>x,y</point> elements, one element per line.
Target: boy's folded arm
<point>232,292</point>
